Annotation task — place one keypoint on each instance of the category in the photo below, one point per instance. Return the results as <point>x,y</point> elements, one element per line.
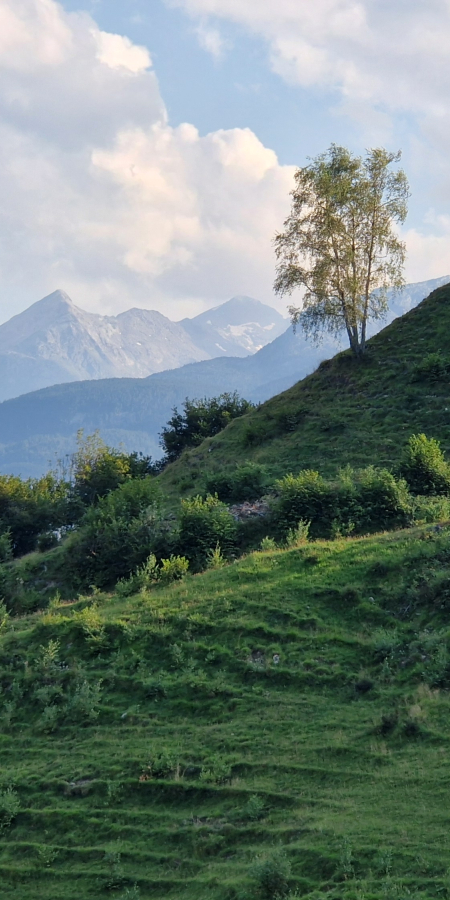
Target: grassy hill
<point>347,412</point>
<point>281,724</point>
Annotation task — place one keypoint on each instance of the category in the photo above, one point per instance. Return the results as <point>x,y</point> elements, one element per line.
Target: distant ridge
<point>55,342</point>
<point>40,426</point>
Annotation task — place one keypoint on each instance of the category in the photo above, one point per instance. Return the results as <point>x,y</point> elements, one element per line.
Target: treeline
<point>111,526</point>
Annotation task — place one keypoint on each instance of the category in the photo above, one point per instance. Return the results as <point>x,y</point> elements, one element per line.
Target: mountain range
<point>39,427</point>
<point>55,342</point>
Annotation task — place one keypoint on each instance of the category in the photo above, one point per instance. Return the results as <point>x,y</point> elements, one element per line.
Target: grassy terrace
<point>348,411</point>
<point>158,748</point>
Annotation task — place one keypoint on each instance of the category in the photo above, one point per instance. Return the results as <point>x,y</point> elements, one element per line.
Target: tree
<point>339,242</point>
<point>201,419</point>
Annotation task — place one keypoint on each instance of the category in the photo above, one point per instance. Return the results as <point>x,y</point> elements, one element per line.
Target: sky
<point>148,147</point>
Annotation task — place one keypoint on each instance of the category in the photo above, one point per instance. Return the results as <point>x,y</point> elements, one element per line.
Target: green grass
<point>172,716</point>
<point>348,412</point>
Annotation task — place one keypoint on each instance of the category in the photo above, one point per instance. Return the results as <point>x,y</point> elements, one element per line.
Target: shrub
<point>215,558</point>
<point>247,482</point>
<point>200,419</point>
<point>424,467</point>
<point>304,497</point>
<point>140,580</point>
<point>271,874</point>
<point>6,550</point>
<point>84,703</point>
<point>297,536</point>
<point>254,808</point>
<point>433,367</point>
<point>9,806</point>
<point>268,543</point>
<point>204,523</point>
<point>430,509</point>
<point>173,569</point>
<point>118,535</point>
<point>46,541</point>
<point>384,501</point>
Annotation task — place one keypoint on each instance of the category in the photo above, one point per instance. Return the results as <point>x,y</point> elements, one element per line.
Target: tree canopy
<point>199,420</point>
<point>339,241</point>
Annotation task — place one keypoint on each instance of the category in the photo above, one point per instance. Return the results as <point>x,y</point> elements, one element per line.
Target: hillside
<point>54,341</point>
<point>39,427</point>
<point>347,412</point>
<point>281,724</point>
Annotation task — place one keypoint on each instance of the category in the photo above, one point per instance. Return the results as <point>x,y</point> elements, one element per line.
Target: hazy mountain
<point>226,331</point>
<point>55,342</point>
<point>39,427</point>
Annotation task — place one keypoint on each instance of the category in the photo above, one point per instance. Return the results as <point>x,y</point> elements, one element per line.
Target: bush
<point>141,580</point>
<point>271,874</point>
<point>46,541</point>
<point>118,535</point>
<point>9,806</point>
<point>368,500</point>
<point>173,569</point>
<point>246,482</point>
<point>384,501</point>
<point>204,523</point>
<point>268,543</point>
<point>297,536</point>
<point>434,367</point>
<point>424,467</point>
<point>200,419</point>
<point>305,497</point>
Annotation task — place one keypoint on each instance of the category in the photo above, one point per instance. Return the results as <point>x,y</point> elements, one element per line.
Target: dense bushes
<point>424,467</point>
<point>30,507</point>
<point>204,525</point>
<point>368,500</point>
<point>246,482</point>
<point>118,535</point>
<point>200,419</point>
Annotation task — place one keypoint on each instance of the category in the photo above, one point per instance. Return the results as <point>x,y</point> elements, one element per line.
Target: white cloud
<point>118,52</point>
<point>386,61</point>
<point>100,196</point>
<point>390,52</point>
<point>211,40</point>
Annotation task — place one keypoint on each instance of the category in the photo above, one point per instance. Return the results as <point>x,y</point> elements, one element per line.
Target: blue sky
<point>237,90</point>
<point>148,146</point>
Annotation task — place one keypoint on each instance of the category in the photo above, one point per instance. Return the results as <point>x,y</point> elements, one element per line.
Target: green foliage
<point>297,698</point>
<point>247,482</point>
<point>204,523</point>
<point>141,580</point>
<point>305,497</point>
<point>339,242</point>
<point>383,500</point>
<point>97,469</point>
<point>117,535</point>
<point>424,466</point>
<point>433,367</point>
<point>200,419</point>
<point>30,507</point>
<point>271,875</point>
<point>9,806</point>
<point>298,535</point>
<point>216,559</point>
<point>46,541</point>
<point>268,543</point>
<point>6,550</point>
<point>379,407</point>
<point>254,809</point>
<point>173,569</point>
<point>367,500</point>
